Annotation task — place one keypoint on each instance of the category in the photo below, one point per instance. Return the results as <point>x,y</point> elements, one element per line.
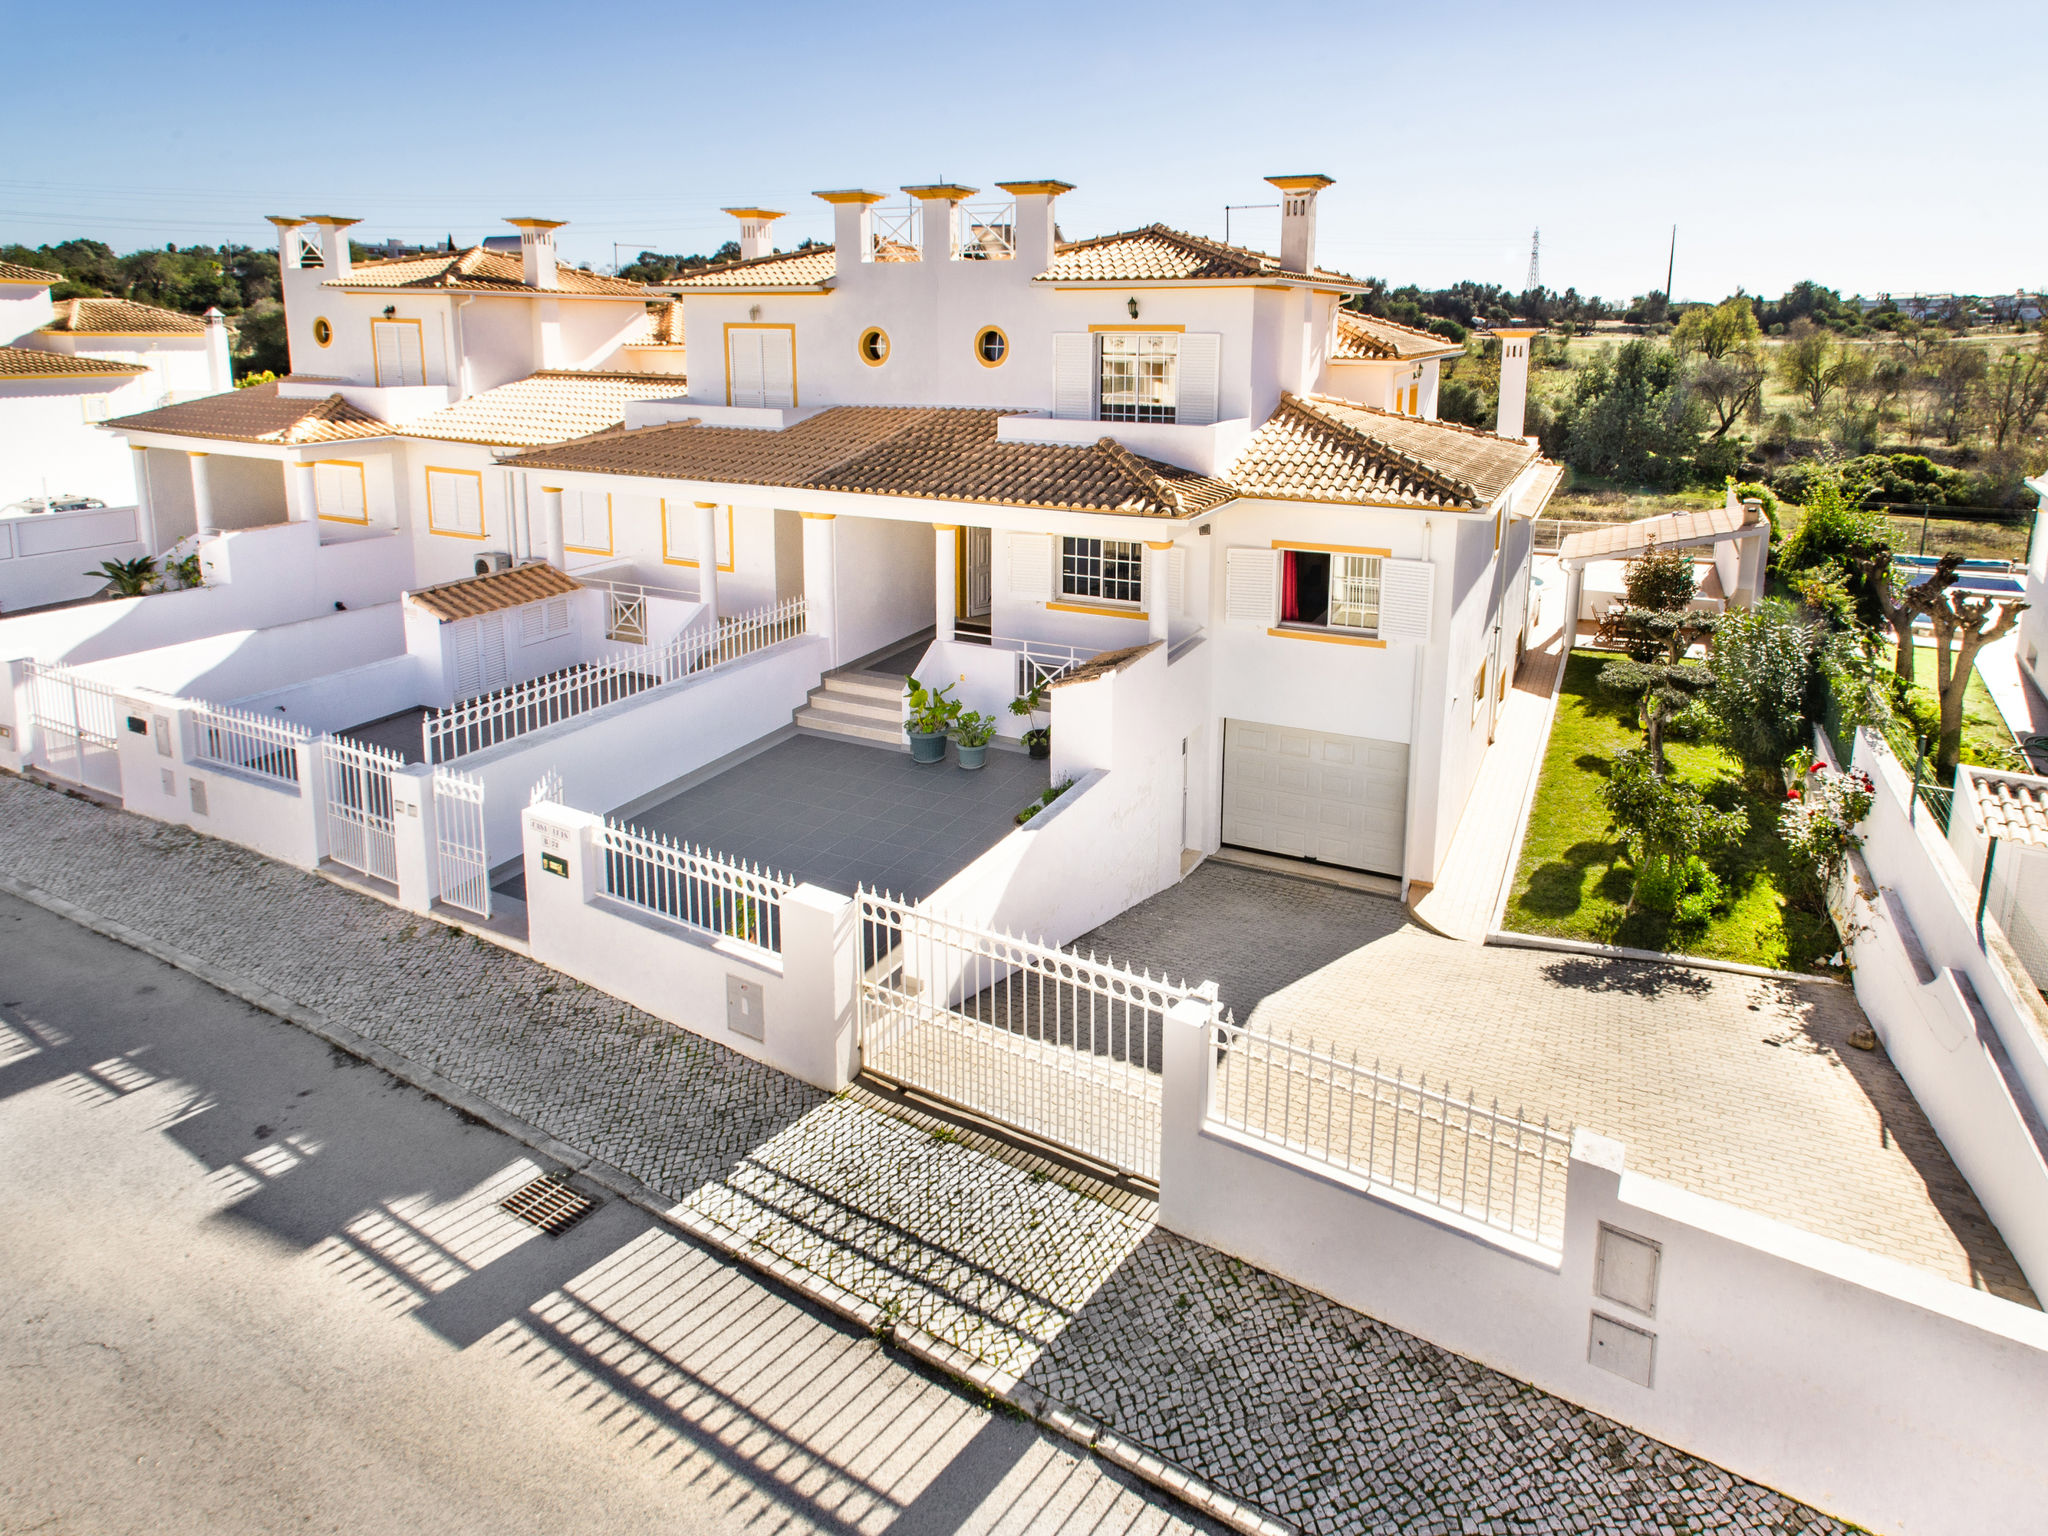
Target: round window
<point>874,347</point>
<point>323,333</point>
<point>991,346</point>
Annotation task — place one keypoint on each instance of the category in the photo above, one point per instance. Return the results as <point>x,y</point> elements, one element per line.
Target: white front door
<point>979,542</point>
<point>1314,795</point>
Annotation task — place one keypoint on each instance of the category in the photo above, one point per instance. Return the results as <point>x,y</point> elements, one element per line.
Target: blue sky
<point>1873,147</point>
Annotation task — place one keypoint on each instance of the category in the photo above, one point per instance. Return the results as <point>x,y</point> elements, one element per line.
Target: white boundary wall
<point>47,557</point>
<point>1863,1386</point>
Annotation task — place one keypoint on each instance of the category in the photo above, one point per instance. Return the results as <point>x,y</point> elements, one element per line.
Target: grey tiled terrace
<point>839,814</point>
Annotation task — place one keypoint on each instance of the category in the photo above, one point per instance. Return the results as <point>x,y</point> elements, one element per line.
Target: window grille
<point>1109,569</point>
<point>1138,377</point>
<point>1355,592</point>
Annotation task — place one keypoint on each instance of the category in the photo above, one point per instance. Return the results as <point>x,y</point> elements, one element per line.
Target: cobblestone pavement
<point>1273,1394</point>
<point>1739,1087</point>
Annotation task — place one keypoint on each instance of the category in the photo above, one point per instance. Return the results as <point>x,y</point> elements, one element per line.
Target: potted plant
<point>1038,739</point>
<point>974,731</point>
<point>931,717</point>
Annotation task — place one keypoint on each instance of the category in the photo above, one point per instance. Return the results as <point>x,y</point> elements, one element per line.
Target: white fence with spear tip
<point>696,888</point>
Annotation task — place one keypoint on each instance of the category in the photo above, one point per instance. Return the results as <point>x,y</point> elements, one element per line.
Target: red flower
<point>1791,794</point>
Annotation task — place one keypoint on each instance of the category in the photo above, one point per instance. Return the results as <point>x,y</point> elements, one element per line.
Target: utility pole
<point>1670,266</point>
<point>1535,271</point>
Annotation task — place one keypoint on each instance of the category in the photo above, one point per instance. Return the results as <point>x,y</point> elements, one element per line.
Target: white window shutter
<point>1200,356</point>
<point>462,648</point>
<point>558,615</point>
<point>1073,376</point>
<point>778,369</point>
<point>532,623</point>
<point>1176,581</point>
<point>744,367</point>
<point>1407,590</point>
<point>1249,585</point>
<point>1031,566</point>
<point>490,636</point>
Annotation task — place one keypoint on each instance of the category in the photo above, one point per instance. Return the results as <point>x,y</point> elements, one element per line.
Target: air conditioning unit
<point>493,560</point>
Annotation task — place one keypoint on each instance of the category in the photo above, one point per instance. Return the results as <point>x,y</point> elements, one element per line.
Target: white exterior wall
<point>24,308</point>
<point>49,444</point>
<point>886,571</point>
<point>426,637</point>
<point>2033,630</point>
<point>225,667</point>
<point>282,821</point>
<point>179,366</point>
<point>46,557</point>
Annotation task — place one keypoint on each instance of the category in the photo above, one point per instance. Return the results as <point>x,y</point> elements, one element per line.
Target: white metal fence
<point>472,725</point>
<point>1061,1047</point>
<point>1039,661</point>
<point>463,872</point>
<point>76,721</point>
<point>261,745</point>
<point>361,833</point>
<point>1491,1166</point>
<point>700,890</point>
<point>626,606</point>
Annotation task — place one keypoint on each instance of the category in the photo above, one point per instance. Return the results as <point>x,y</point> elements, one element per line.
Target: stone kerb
<point>794,1011</point>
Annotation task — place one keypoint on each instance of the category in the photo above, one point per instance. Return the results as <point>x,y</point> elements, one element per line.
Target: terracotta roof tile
<point>33,363</point>
<point>1157,253</point>
<point>662,326</point>
<point>499,590</point>
<point>546,407</point>
<point>938,454</point>
<point>790,269</point>
<point>1367,338</point>
<point>1620,540</point>
<point>1323,449</point>
<point>10,272</point>
<point>2013,807</point>
<point>477,270</point>
<point>260,415</point>
<point>121,317</point>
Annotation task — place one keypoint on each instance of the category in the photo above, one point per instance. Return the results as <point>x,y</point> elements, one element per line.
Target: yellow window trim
<point>1106,613</point>
<point>362,480</point>
<point>323,331</point>
<point>610,538</point>
<point>983,331</point>
<point>1303,634</point>
<point>819,517</point>
<point>1096,330</point>
<point>860,348</point>
<point>1333,549</point>
<point>483,523</point>
<point>731,548</point>
<point>1159,543</point>
<point>761,325</point>
<point>418,330</point>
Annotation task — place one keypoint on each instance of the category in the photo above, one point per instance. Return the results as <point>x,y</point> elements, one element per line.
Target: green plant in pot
<point>974,731</point>
<point>931,719</point>
<point>1028,706</point>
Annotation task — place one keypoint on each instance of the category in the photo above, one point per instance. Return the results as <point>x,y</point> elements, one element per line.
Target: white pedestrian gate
<point>360,832</point>
<point>1064,1048</point>
<point>76,720</point>
<point>463,875</point>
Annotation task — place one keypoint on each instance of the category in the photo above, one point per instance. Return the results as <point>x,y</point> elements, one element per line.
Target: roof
<point>1323,449</point>
<point>661,327</point>
<point>1158,254</point>
<point>1620,540</point>
<point>1367,338</point>
<point>544,407</point>
<point>791,269</point>
<point>1105,663</point>
<point>259,414</point>
<point>35,277</point>
<point>2012,806</point>
<point>33,363</point>
<point>477,270</point>
<point>515,588</point>
<point>942,454</point>
<point>121,317</point>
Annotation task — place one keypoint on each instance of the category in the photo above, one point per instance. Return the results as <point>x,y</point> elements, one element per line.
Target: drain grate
<point>548,1203</point>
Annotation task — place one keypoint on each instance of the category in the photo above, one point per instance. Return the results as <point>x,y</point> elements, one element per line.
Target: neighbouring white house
<point>2000,820</point>
<point>2033,628</point>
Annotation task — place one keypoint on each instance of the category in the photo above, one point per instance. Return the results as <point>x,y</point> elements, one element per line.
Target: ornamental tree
<point>1664,821</point>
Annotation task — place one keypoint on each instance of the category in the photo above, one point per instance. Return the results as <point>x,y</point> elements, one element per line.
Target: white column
<point>821,579</point>
<point>551,526</point>
<point>412,825</point>
<point>1157,595</point>
<point>1574,584</point>
<point>145,510</point>
<point>945,589</point>
<point>305,497</point>
<point>707,559</point>
<point>202,495</point>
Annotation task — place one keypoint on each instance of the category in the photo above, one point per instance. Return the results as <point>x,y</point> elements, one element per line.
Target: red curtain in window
<point>1290,605</point>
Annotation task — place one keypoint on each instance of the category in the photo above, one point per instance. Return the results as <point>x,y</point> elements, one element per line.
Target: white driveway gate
<point>463,872</point>
<point>1063,1048</point>
<point>360,833</point>
<point>76,720</point>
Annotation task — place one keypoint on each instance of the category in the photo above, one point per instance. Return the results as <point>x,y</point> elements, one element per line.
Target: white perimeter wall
<point>219,668</point>
<point>52,557</point>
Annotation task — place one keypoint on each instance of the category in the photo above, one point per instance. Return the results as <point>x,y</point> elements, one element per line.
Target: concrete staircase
<point>858,706</point>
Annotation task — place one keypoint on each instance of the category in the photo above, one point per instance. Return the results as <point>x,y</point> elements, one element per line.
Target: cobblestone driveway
<point>1272,1393</point>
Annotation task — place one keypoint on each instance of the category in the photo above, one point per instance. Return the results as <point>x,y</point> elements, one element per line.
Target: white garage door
<point>1311,795</point>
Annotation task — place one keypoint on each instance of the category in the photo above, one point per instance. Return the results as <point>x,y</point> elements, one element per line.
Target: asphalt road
<point>248,1283</point>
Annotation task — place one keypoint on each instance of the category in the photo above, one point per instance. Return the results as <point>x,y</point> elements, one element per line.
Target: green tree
<point>1963,625</point>
<point>1813,363</point>
<point>1630,418</point>
<point>1765,675</point>
<point>1716,331</point>
<point>2016,392</point>
<point>260,341</point>
<point>1901,603</point>
<point>1665,822</point>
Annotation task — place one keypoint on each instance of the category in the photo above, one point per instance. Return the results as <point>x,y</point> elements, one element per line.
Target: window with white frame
<point>543,621</point>
<point>1330,589</point>
<point>455,502</point>
<point>1137,377</point>
<point>587,522</point>
<point>1107,570</point>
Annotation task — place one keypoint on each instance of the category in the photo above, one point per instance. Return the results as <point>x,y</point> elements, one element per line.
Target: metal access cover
<point>548,1203</point>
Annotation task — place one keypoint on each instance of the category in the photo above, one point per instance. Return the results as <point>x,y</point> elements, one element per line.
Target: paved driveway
<point>1737,1087</point>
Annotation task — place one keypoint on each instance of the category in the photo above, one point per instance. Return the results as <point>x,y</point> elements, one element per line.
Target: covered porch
<point>1735,539</point>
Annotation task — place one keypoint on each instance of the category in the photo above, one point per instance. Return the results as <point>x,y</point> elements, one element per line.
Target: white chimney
<point>537,251</point>
<point>1033,234</point>
<point>1514,377</point>
<point>219,372</point>
<point>754,224</point>
<point>333,243</point>
<point>853,227</point>
<point>1298,220</point>
<point>287,240</point>
<point>939,236</point>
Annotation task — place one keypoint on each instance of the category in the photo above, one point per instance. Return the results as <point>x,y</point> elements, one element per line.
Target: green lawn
<point>1573,879</point>
<point>1985,737</point>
